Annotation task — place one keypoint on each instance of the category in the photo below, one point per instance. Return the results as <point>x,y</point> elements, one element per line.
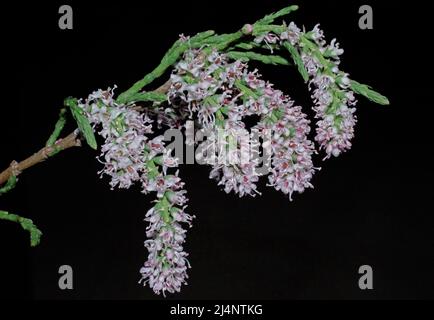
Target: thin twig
<point>62,144</point>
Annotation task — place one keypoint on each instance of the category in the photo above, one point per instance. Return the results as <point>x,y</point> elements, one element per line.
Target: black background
<point>369,206</point>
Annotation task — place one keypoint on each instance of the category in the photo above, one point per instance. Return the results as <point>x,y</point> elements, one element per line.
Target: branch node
<point>15,170</point>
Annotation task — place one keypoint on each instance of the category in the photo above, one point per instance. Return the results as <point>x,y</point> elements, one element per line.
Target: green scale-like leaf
<point>82,122</point>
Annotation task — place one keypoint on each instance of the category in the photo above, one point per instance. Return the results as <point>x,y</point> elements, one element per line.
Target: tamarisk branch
<point>212,84</point>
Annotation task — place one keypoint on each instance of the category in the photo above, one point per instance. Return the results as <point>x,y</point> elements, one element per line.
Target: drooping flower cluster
<point>225,93</point>
<point>125,131</point>
<point>292,167</point>
<point>207,85</point>
<point>331,94</point>
<point>166,267</point>
<point>130,157</point>
<point>330,87</point>
<point>287,129</point>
